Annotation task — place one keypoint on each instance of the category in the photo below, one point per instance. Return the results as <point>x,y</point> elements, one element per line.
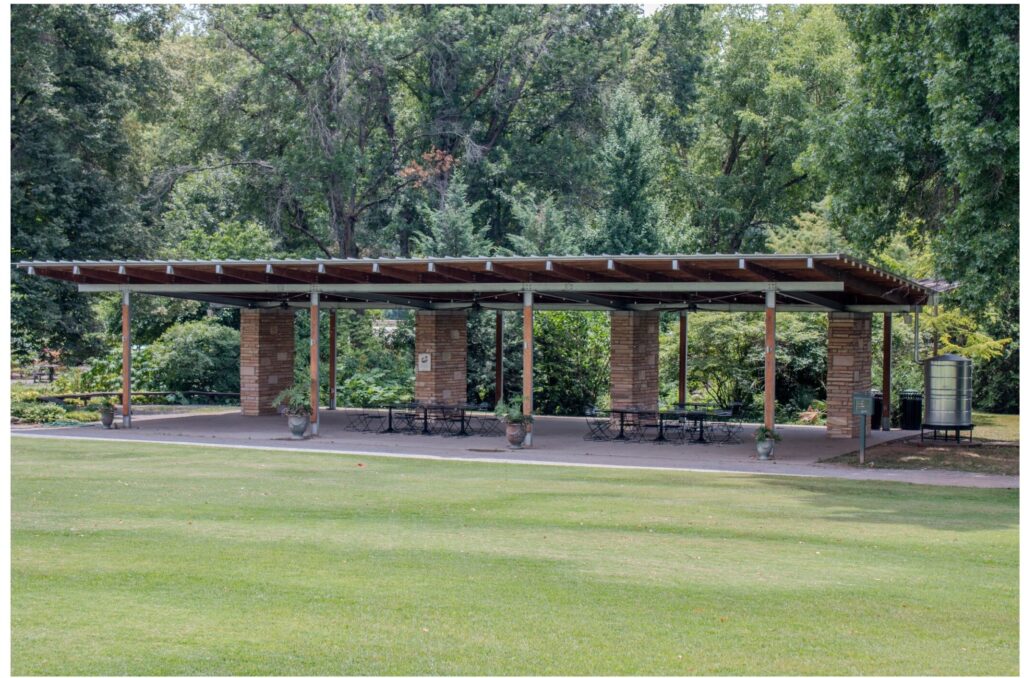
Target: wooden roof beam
<point>451,272</point>
<point>396,272</point>
<point>135,274</point>
<point>292,274</point>
<point>241,274</point>
<point>76,275</point>
<point>188,273</point>
<point>568,272</point>
<point>590,299</point>
<point>680,272</point>
<point>864,287</point>
<point>765,273</point>
<point>518,275</point>
<point>637,273</point>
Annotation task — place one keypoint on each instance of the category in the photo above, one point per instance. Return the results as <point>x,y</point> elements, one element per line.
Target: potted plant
<point>107,412</point>
<point>766,439</point>
<point>294,402</point>
<point>515,421</point>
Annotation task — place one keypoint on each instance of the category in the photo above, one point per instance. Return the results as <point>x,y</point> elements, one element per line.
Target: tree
<point>80,78</point>
<point>631,161</point>
<point>197,356</point>
<point>572,369</point>
<point>321,118</point>
<point>773,71</point>
<point>543,225</point>
<point>449,230</point>
<point>928,140</point>
<point>680,51</point>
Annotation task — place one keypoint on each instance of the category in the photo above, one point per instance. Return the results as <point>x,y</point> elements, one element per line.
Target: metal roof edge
<point>477,258</point>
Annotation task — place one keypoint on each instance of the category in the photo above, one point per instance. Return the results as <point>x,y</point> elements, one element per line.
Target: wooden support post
<point>126,360</point>
<point>886,371</point>
<point>769,360</point>
<point>314,362</point>
<point>683,348</point>
<point>499,349</point>
<point>528,364</point>
<point>332,400</point>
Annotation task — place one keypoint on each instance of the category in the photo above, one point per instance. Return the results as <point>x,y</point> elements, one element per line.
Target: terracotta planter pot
<point>297,424</point>
<point>515,434</point>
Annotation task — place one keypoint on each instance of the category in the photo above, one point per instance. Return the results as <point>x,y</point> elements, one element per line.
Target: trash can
<point>910,410</point>
<point>876,410</point>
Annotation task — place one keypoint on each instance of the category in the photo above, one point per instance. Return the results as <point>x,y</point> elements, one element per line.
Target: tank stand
<point>957,429</point>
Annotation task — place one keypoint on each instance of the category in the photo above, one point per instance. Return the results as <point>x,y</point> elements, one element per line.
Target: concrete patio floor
<point>557,440</point>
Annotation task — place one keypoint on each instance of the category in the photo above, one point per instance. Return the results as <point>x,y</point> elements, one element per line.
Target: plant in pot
<point>294,402</point>
<point>515,421</point>
<point>765,439</point>
<point>106,407</point>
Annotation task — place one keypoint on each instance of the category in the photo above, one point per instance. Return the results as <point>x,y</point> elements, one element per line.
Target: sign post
<point>863,404</point>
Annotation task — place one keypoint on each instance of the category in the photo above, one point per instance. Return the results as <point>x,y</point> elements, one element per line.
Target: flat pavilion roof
<point>733,282</point>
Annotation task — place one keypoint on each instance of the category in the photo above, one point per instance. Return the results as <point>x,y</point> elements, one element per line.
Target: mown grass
<point>159,559</point>
<point>1004,427</point>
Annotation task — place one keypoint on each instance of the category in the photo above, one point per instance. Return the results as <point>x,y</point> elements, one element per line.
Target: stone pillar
<point>634,359</point>
<point>849,369</point>
<point>441,356</point>
<point>268,356</point>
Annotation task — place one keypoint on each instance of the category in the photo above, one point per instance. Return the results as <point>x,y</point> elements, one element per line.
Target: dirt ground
<point>981,456</point>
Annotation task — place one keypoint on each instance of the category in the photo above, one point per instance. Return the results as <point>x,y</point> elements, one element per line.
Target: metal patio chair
<point>599,425</point>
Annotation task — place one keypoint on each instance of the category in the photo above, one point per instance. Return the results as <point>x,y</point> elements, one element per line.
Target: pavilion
<point>635,289</point>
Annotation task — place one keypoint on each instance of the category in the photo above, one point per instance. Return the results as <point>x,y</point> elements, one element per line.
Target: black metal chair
<point>484,422</point>
<point>674,428</point>
<point>408,419</point>
<point>599,425</point>
<point>722,428</point>
<point>643,426</point>
<point>354,420</point>
<point>374,421</point>
<point>454,420</point>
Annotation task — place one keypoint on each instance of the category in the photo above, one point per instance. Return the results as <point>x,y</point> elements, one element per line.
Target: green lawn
<point>996,426</point>
<point>156,559</point>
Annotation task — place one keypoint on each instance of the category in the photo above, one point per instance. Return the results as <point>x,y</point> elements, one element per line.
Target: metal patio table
<point>391,407</point>
<point>622,412</point>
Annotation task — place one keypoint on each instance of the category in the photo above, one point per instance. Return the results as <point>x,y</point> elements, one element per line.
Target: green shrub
<point>37,413</point>
<point>20,394</point>
<point>104,373</point>
<point>197,356</point>
<point>374,388</point>
<point>82,415</point>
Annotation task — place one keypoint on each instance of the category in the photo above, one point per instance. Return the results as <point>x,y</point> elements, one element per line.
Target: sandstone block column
<point>849,369</point>
<point>634,359</point>
<point>441,356</point>
<point>267,360</point>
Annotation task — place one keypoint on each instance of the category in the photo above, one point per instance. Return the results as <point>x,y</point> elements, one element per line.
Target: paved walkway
<point>557,440</point>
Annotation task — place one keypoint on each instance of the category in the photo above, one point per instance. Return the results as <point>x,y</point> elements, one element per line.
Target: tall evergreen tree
<point>631,162</point>
<point>449,228</point>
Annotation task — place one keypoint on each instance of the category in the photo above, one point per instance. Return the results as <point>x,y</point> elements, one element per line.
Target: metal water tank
<point>947,391</point>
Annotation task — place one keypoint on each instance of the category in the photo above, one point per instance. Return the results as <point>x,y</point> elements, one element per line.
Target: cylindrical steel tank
<point>947,391</point>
